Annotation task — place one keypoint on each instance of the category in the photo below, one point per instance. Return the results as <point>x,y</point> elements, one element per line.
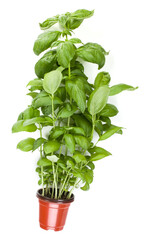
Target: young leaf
<point>92,52</point>
<point>74,23</point>
<point>76,90</point>
<point>109,133</point>
<point>38,142</point>
<point>79,158</point>
<point>98,99</point>
<point>75,40</point>
<point>65,53</point>
<point>86,187</point>
<point>51,146</point>
<point>99,150</point>
<point>98,156</point>
<point>77,130</point>
<point>52,81</point>
<point>102,78</point>
<point>65,113</point>
<point>82,14</point>
<point>82,141</point>
<point>44,41</point>
<point>18,127</point>
<point>46,64</point>
<point>26,145</point>
<point>35,82</point>
<point>57,132</point>
<point>119,88</point>
<point>38,120</point>
<point>91,165</point>
<point>48,23</point>
<point>109,111</point>
<point>82,122</point>
<point>70,142</point>
<point>43,162</point>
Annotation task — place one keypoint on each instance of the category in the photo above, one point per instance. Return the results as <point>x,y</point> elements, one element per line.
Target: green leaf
<point>82,122</point>
<point>56,43</point>
<point>109,111</point>
<point>26,145</point>
<point>75,40</point>
<point>35,82</point>
<point>109,133</point>
<point>88,174</point>
<point>65,53</point>
<point>99,150</point>
<point>77,130</point>
<point>65,113</point>
<point>52,81</point>
<point>92,52</point>
<point>70,142</point>
<point>18,127</point>
<point>43,162</point>
<point>82,14</point>
<point>91,165</point>
<point>38,142</point>
<point>57,132</point>
<point>119,88</point>
<point>97,156</point>
<point>38,120</point>
<point>46,64</point>
<point>70,164</point>
<point>86,187</point>
<point>47,110</point>
<point>98,99</point>
<point>79,158</point>
<point>44,41</point>
<point>74,23</point>
<point>45,101</point>
<point>51,146</point>
<point>48,23</point>
<point>32,94</point>
<point>76,90</point>
<point>82,141</point>
<point>102,78</point>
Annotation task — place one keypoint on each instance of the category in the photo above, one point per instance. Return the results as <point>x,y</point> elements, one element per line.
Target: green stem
<point>76,183</point>
<point>41,155</point>
<point>53,113</point>
<point>62,187</point>
<point>93,126</point>
<point>55,182</point>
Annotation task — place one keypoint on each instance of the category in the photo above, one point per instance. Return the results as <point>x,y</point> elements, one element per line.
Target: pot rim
<point>39,195</point>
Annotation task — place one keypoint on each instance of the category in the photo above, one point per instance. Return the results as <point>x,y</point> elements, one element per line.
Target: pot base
<point>51,228</point>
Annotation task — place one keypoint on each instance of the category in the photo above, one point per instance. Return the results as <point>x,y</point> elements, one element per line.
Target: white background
<point>117,207</point>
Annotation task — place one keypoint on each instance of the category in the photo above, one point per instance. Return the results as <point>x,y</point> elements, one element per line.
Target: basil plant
<point>68,106</point>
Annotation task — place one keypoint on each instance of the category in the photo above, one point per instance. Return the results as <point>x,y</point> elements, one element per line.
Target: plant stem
<point>53,114</point>
<point>93,126</point>
<point>62,187</point>
<point>76,183</point>
<point>40,128</point>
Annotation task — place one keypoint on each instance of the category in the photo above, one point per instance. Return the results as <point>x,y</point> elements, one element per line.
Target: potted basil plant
<point>71,109</point>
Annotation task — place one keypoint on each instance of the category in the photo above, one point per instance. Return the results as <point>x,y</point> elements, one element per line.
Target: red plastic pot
<point>53,212</point>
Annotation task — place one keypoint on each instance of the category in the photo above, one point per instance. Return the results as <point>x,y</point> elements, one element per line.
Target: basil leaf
<point>52,81</point>
<point>70,142</point>
<point>57,132</point>
<point>98,99</point>
<point>38,120</point>
<point>18,127</point>
<point>51,146</point>
<point>35,82</point>
<point>65,113</point>
<point>82,122</point>
<point>92,52</point>
<point>99,150</point>
<point>45,101</point>
<point>48,23</point>
<point>102,78</point>
<point>38,142</point>
<point>82,141</point>
<point>76,90</point>
<point>97,156</point>
<point>77,130</point>
<point>119,88</point>
<point>109,111</point>
<point>26,145</point>
<point>82,14</point>
<point>46,64</point>
<point>109,133</point>
<point>43,162</point>
<point>75,40</point>
<point>44,41</point>
<point>86,187</point>
<point>65,53</point>
<point>79,158</point>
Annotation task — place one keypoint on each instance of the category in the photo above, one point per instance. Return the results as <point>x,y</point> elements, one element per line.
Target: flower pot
<point>53,212</point>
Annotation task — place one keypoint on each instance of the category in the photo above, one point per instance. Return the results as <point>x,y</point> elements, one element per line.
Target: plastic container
<point>53,212</point>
